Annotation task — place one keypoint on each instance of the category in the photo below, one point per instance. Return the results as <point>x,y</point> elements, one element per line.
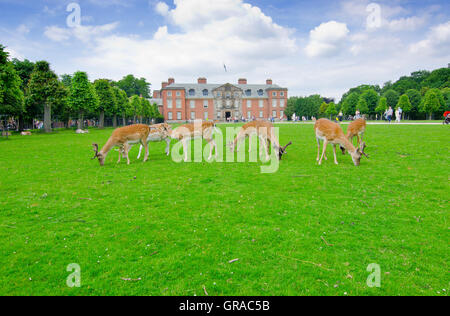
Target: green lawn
<point>305,230</point>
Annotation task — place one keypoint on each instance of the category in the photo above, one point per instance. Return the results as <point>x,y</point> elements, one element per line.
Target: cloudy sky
<point>310,47</point>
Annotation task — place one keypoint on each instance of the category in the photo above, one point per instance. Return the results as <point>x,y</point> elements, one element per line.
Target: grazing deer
<point>187,132</point>
<point>331,132</point>
<point>124,137</point>
<point>356,128</point>
<point>158,133</point>
<point>25,133</point>
<point>80,131</point>
<point>265,132</point>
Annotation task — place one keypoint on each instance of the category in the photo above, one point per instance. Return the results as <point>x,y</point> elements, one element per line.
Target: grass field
<point>305,230</point>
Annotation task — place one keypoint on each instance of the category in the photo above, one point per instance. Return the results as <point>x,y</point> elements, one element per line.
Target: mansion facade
<point>203,101</point>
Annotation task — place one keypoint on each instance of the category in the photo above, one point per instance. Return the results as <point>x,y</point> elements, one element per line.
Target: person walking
<point>397,115</point>
<point>389,114</point>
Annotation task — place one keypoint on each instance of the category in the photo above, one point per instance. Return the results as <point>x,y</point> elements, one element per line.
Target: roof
<point>199,88</point>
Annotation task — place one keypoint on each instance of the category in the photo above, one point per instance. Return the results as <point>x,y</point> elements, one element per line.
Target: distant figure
<point>398,115</point>
<point>357,115</point>
<point>340,116</point>
<point>389,114</point>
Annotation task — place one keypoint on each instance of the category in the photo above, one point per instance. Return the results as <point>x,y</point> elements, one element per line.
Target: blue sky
<point>310,47</point>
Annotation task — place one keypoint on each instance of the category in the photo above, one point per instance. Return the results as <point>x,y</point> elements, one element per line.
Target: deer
<point>357,129</point>
<point>124,137</point>
<point>158,133</point>
<point>330,132</point>
<point>264,131</point>
<point>186,132</point>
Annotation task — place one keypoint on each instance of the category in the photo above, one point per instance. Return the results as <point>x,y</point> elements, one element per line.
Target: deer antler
<point>284,148</point>
<point>95,148</point>
<point>363,146</point>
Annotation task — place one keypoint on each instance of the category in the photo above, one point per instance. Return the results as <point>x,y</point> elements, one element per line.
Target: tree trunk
<point>115,121</point>
<point>124,120</point>
<point>47,118</point>
<point>134,120</point>
<point>21,123</point>
<point>101,123</point>
<point>80,120</point>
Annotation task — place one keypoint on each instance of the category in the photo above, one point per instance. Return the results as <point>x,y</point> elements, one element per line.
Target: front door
<point>227,115</point>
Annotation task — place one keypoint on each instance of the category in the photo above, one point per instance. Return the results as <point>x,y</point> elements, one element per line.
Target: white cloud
<point>162,8</point>
<point>437,42</point>
<point>327,39</point>
<point>13,53</point>
<point>23,29</point>
<point>406,24</point>
<point>82,33</point>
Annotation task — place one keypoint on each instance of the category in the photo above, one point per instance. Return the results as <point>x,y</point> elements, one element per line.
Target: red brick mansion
<point>203,101</point>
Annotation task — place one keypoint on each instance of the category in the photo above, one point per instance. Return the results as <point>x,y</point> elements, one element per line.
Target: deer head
<point>283,150</point>
<point>99,156</point>
<point>361,150</point>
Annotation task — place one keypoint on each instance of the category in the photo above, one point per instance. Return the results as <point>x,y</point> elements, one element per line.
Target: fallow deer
<point>186,133</point>
<point>330,132</point>
<point>265,132</point>
<point>357,129</point>
<point>124,137</point>
<point>158,133</point>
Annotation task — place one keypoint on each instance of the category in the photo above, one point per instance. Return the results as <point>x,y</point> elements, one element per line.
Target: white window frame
<point>274,114</point>
<point>261,103</point>
<point>192,115</point>
<point>281,114</point>
<point>169,116</point>
<point>192,104</point>
<point>169,103</point>
<point>274,103</point>
<point>179,116</point>
<point>261,114</point>
<point>178,103</point>
<point>205,115</point>
<point>274,94</point>
<point>282,94</point>
<point>178,94</point>
<point>249,104</point>
<point>282,103</point>
<point>205,104</point>
<point>169,93</point>
<point>249,115</point>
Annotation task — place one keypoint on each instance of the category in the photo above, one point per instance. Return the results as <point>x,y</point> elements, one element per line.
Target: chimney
<point>269,82</point>
<point>171,81</point>
<point>242,81</point>
<point>202,80</point>
<point>156,94</point>
<point>164,84</point>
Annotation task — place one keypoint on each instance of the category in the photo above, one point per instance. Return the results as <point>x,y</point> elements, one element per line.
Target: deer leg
<point>325,143</point>
<point>147,153</point>
<point>126,149</point>
<point>140,152</point>
<point>168,147</point>
<point>318,149</point>
<point>335,158</point>
<point>120,154</point>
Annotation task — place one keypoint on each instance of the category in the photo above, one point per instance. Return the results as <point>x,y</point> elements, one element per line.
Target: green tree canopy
<point>350,103</point>
<point>135,107</point>
<point>45,92</point>
<point>362,105</point>
<point>392,97</point>
<point>382,106</point>
<point>83,98</point>
<point>371,97</point>
<point>107,103</point>
<point>331,110</point>
<point>11,96</point>
<point>323,108</point>
<point>432,102</point>
<point>134,86</point>
<point>404,103</point>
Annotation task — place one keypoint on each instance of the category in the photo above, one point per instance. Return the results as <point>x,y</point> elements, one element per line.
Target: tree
<point>123,104</point>
<point>382,106</point>
<point>135,107</point>
<point>331,110</point>
<point>404,104</point>
<point>11,96</point>
<point>432,102</point>
<point>45,91</point>
<point>24,69</point>
<point>371,97</point>
<point>133,86</point>
<point>107,101</point>
<point>82,98</point>
<point>66,80</point>
<point>404,84</point>
<point>350,103</point>
<point>415,98</point>
<point>362,105</point>
<point>323,108</point>
<point>446,95</point>
<point>392,97</point>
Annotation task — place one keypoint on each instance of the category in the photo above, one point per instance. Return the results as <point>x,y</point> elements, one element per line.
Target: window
<point>205,104</point>
<point>219,115</point>
<point>179,116</point>
<point>206,116</point>
<point>178,93</point>
<point>170,116</point>
<point>228,103</point>
<point>178,103</point>
<point>281,114</point>
<point>219,94</point>
<point>249,115</point>
<point>274,94</point>
<point>261,114</point>
<point>260,92</point>
<point>192,115</point>
<point>192,92</point>
<point>236,114</point>
<point>192,104</point>
<point>274,114</point>
<point>282,103</point>
<point>282,94</point>
<point>236,94</point>
<point>228,95</point>
<point>261,103</point>
<point>274,103</point>
<point>169,103</point>
<point>205,92</point>
<point>249,103</point>
<point>169,93</point>
<point>248,93</point>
